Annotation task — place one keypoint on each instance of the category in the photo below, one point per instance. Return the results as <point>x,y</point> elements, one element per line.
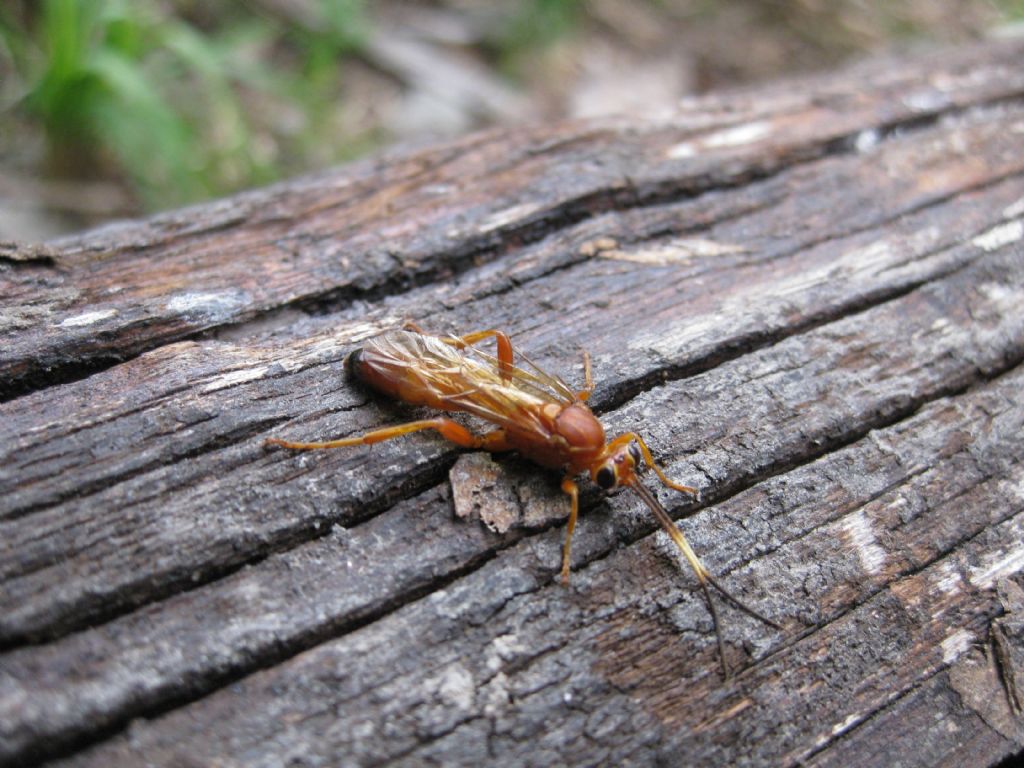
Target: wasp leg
<point>633,436</point>
<point>502,341</point>
<point>569,487</point>
<point>468,339</point>
<point>588,379</point>
<point>501,338</point>
<point>448,429</point>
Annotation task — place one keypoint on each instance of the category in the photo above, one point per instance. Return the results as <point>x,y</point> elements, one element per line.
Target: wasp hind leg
<point>448,429</point>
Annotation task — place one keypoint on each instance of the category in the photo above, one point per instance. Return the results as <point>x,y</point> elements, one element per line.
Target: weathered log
<point>807,296</point>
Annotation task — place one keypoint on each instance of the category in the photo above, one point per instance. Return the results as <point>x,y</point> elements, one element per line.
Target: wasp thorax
<point>580,429</point>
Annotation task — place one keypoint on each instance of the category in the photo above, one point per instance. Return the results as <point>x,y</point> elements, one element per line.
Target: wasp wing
<point>470,380</point>
<point>532,378</point>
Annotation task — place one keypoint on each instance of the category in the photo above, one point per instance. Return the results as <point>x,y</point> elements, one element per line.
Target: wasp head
<point>617,468</point>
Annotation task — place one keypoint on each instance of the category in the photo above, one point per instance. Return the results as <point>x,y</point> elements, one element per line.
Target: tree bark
<point>806,296</point>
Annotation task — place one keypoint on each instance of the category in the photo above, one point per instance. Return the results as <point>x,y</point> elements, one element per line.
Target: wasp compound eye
<point>605,478</point>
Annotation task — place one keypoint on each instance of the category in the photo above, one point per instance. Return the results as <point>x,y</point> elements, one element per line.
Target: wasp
<point>534,413</point>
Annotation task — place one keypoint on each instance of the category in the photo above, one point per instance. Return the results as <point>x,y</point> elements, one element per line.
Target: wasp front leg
<point>572,490</point>
<point>646,453</point>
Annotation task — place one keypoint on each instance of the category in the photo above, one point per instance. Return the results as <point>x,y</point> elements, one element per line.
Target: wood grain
<point>806,296</point>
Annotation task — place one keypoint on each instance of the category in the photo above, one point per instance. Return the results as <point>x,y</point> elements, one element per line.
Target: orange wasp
<point>535,413</point>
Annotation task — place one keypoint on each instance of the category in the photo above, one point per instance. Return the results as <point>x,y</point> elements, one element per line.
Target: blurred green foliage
<point>533,25</point>
<point>185,112</point>
<point>189,99</point>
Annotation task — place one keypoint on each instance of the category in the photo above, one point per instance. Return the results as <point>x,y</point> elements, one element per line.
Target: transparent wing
<point>531,378</point>
<point>471,380</point>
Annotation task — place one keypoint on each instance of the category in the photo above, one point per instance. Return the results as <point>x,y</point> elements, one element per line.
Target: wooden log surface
<point>807,296</point>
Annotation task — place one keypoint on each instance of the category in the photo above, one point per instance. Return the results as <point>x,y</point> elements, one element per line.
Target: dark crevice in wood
<point>175,583</point>
<point>982,620</point>
<point>900,127</point>
<point>793,639</point>
<point>1012,760</point>
<point>102,483</point>
<point>486,248</point>
<point>22,261</point>
<point>52,374</point>
<point>172,698</point>
<point>429,476</point>
<point>15,255</point>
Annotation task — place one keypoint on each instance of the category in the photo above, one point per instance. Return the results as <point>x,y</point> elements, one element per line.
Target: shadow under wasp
<point>534,412</point>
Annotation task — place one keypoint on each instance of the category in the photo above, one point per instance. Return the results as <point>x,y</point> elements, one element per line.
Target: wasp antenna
<point>703,576</point>
<point>740,604</point>
<point>714,620</point>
